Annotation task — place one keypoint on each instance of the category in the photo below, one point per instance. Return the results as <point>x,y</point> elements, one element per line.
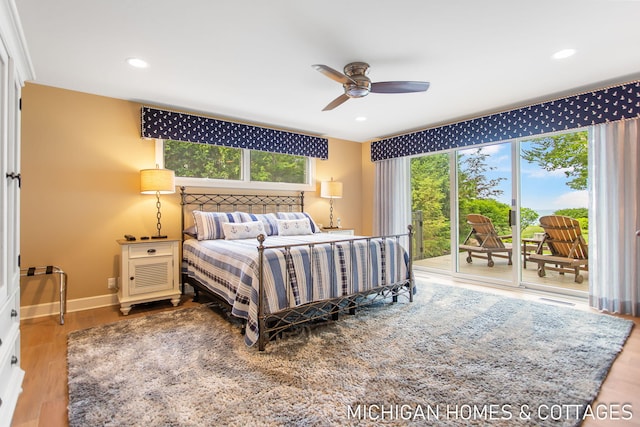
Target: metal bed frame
<point>271,325</point>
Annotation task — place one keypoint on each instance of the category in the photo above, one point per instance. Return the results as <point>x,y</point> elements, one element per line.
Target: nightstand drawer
<point>144,250</point>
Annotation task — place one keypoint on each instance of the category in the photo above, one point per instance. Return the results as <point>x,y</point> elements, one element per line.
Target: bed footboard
<point>272,323</point>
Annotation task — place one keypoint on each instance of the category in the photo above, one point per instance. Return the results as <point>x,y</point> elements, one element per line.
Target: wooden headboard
<point>251,203</point>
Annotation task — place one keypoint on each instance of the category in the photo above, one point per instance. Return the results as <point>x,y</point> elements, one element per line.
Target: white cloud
<point>573,199</point>
<point>541,173</point>
<point>488,149</point>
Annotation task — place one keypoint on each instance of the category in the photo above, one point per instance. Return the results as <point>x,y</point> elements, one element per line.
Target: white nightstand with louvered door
<point>149,272</point>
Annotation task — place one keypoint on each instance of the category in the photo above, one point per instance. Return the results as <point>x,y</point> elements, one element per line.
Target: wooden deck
<point>501,271</point>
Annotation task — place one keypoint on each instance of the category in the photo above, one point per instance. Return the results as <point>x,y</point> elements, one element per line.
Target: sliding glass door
<point>477,211</point>
<point>484,196</point>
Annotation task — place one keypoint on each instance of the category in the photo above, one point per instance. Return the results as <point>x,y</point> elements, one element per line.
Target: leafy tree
<point>202,160</point>
<point>472,176</point>
<point>567,151</point>
<point>276,167</point>
<point>527,217</point>
<point>573,212</point>
<point>189,159</point>
<point>430,195</point>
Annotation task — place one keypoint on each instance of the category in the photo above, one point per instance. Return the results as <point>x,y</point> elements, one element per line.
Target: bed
<point>265,259</point>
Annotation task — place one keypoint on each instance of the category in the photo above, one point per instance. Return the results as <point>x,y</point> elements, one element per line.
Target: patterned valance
<point>163,124</point>
<point>601,106</point>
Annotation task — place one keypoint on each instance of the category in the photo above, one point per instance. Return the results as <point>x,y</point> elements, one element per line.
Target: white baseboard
<point>53,308</point>
<point>80,304</point>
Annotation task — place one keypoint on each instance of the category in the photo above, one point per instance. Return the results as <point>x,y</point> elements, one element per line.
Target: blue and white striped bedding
<point>229,268</point>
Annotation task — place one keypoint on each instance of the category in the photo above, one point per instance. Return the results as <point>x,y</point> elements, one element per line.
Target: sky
<point>541,191</point>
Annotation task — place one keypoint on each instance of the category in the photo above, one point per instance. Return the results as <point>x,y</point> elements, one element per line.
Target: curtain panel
<point>597,107</point>
<point>392,197</point>
<point>163,124</point>
<point>614,217</point>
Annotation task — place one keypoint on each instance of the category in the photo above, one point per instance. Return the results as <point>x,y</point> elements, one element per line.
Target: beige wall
<point>81,156</point>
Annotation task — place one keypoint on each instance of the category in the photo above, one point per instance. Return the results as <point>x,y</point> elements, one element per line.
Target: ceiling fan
<point>356,83</point>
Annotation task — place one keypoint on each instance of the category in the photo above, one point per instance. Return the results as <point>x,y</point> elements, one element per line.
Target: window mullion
<point>246,165</point>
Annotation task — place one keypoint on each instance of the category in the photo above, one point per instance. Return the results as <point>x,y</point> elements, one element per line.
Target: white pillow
<point>294,227</point>
<point>242,230</point>
<point>300,215</point>
<point>209,224</point>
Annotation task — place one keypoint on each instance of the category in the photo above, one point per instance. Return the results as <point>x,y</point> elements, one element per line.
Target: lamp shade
<point>331,189</point>
<point>154,181</point>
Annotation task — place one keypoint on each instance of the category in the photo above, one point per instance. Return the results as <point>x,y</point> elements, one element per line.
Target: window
<point>211,165</point>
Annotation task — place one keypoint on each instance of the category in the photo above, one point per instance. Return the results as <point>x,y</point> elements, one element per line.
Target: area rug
<point>452,357</point>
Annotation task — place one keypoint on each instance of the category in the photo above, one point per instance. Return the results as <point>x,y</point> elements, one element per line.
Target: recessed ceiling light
<point>361,119</point>
<point>137,62</point>
<point>564,53</point>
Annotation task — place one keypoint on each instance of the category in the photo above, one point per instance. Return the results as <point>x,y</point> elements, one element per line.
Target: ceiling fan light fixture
<point>354,91</point>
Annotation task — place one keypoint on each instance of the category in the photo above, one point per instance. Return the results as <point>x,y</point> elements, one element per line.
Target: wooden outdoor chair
<point>487,242</point>
<point>568,248</point>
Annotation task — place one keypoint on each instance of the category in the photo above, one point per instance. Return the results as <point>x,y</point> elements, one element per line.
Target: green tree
<point>430,195</point>
<point>276,167</point>
<point>202,160</point>
<point>567,151</point>
<point>527,217</point>
<point>472,176</point>
<point>573,212</point>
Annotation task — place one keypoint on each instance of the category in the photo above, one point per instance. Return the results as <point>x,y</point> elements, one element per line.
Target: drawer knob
<point>151,251</point>
<point>131,278</point>
<point>14,360</point>
<point>14,312</point>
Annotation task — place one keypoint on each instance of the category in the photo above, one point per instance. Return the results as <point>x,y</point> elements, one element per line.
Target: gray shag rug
<point>453,357</point>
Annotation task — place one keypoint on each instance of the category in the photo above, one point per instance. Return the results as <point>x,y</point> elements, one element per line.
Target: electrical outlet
<point>111,283</point>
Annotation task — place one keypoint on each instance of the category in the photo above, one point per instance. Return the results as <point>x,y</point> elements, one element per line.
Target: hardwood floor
<point>44,399</point>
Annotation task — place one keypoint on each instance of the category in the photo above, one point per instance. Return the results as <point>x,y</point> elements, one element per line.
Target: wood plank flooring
<point>44,399</point>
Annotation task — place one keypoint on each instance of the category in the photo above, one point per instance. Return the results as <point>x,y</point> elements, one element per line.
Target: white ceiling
<point>250,60</point>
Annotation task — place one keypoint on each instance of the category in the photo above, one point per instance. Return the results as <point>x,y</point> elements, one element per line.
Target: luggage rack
<point>51,269</point>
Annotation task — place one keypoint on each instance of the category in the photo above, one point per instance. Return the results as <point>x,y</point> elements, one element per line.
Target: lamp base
<point>158,237</point>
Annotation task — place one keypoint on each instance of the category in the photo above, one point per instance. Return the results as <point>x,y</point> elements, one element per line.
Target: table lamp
<point>157,181</point>
<point>331,190</point>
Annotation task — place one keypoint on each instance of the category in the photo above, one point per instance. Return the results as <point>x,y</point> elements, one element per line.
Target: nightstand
<point>346,231</point>
<point>149,271</point>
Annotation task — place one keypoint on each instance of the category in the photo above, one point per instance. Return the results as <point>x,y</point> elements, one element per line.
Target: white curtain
<point>392,197</point>
<point>614,217</point>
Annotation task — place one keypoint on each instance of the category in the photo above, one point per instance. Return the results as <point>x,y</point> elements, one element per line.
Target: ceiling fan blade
<point>333,104</point>
<point>399,87</point>
<point>333,74</point>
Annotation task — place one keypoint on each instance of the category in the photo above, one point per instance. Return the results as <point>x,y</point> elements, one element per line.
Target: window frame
<point>245,181</point>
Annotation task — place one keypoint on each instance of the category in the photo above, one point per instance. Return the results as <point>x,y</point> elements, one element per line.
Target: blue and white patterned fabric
<point>294,227</point>
<point>209,224</point>
<point>601,106</point>
<point>242,230</point>
<point>300,215</point>
<point>229,268</point>
<point>269,220</point>
<point>163,124</point>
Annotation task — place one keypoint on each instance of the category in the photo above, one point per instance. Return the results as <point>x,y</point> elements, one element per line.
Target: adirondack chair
<point>483,241</point>
<point>568,248</point>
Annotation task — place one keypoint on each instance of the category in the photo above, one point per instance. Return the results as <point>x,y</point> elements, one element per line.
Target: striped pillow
<point>209,224</point>
<point>269,220</point>
<point>300,215</point>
